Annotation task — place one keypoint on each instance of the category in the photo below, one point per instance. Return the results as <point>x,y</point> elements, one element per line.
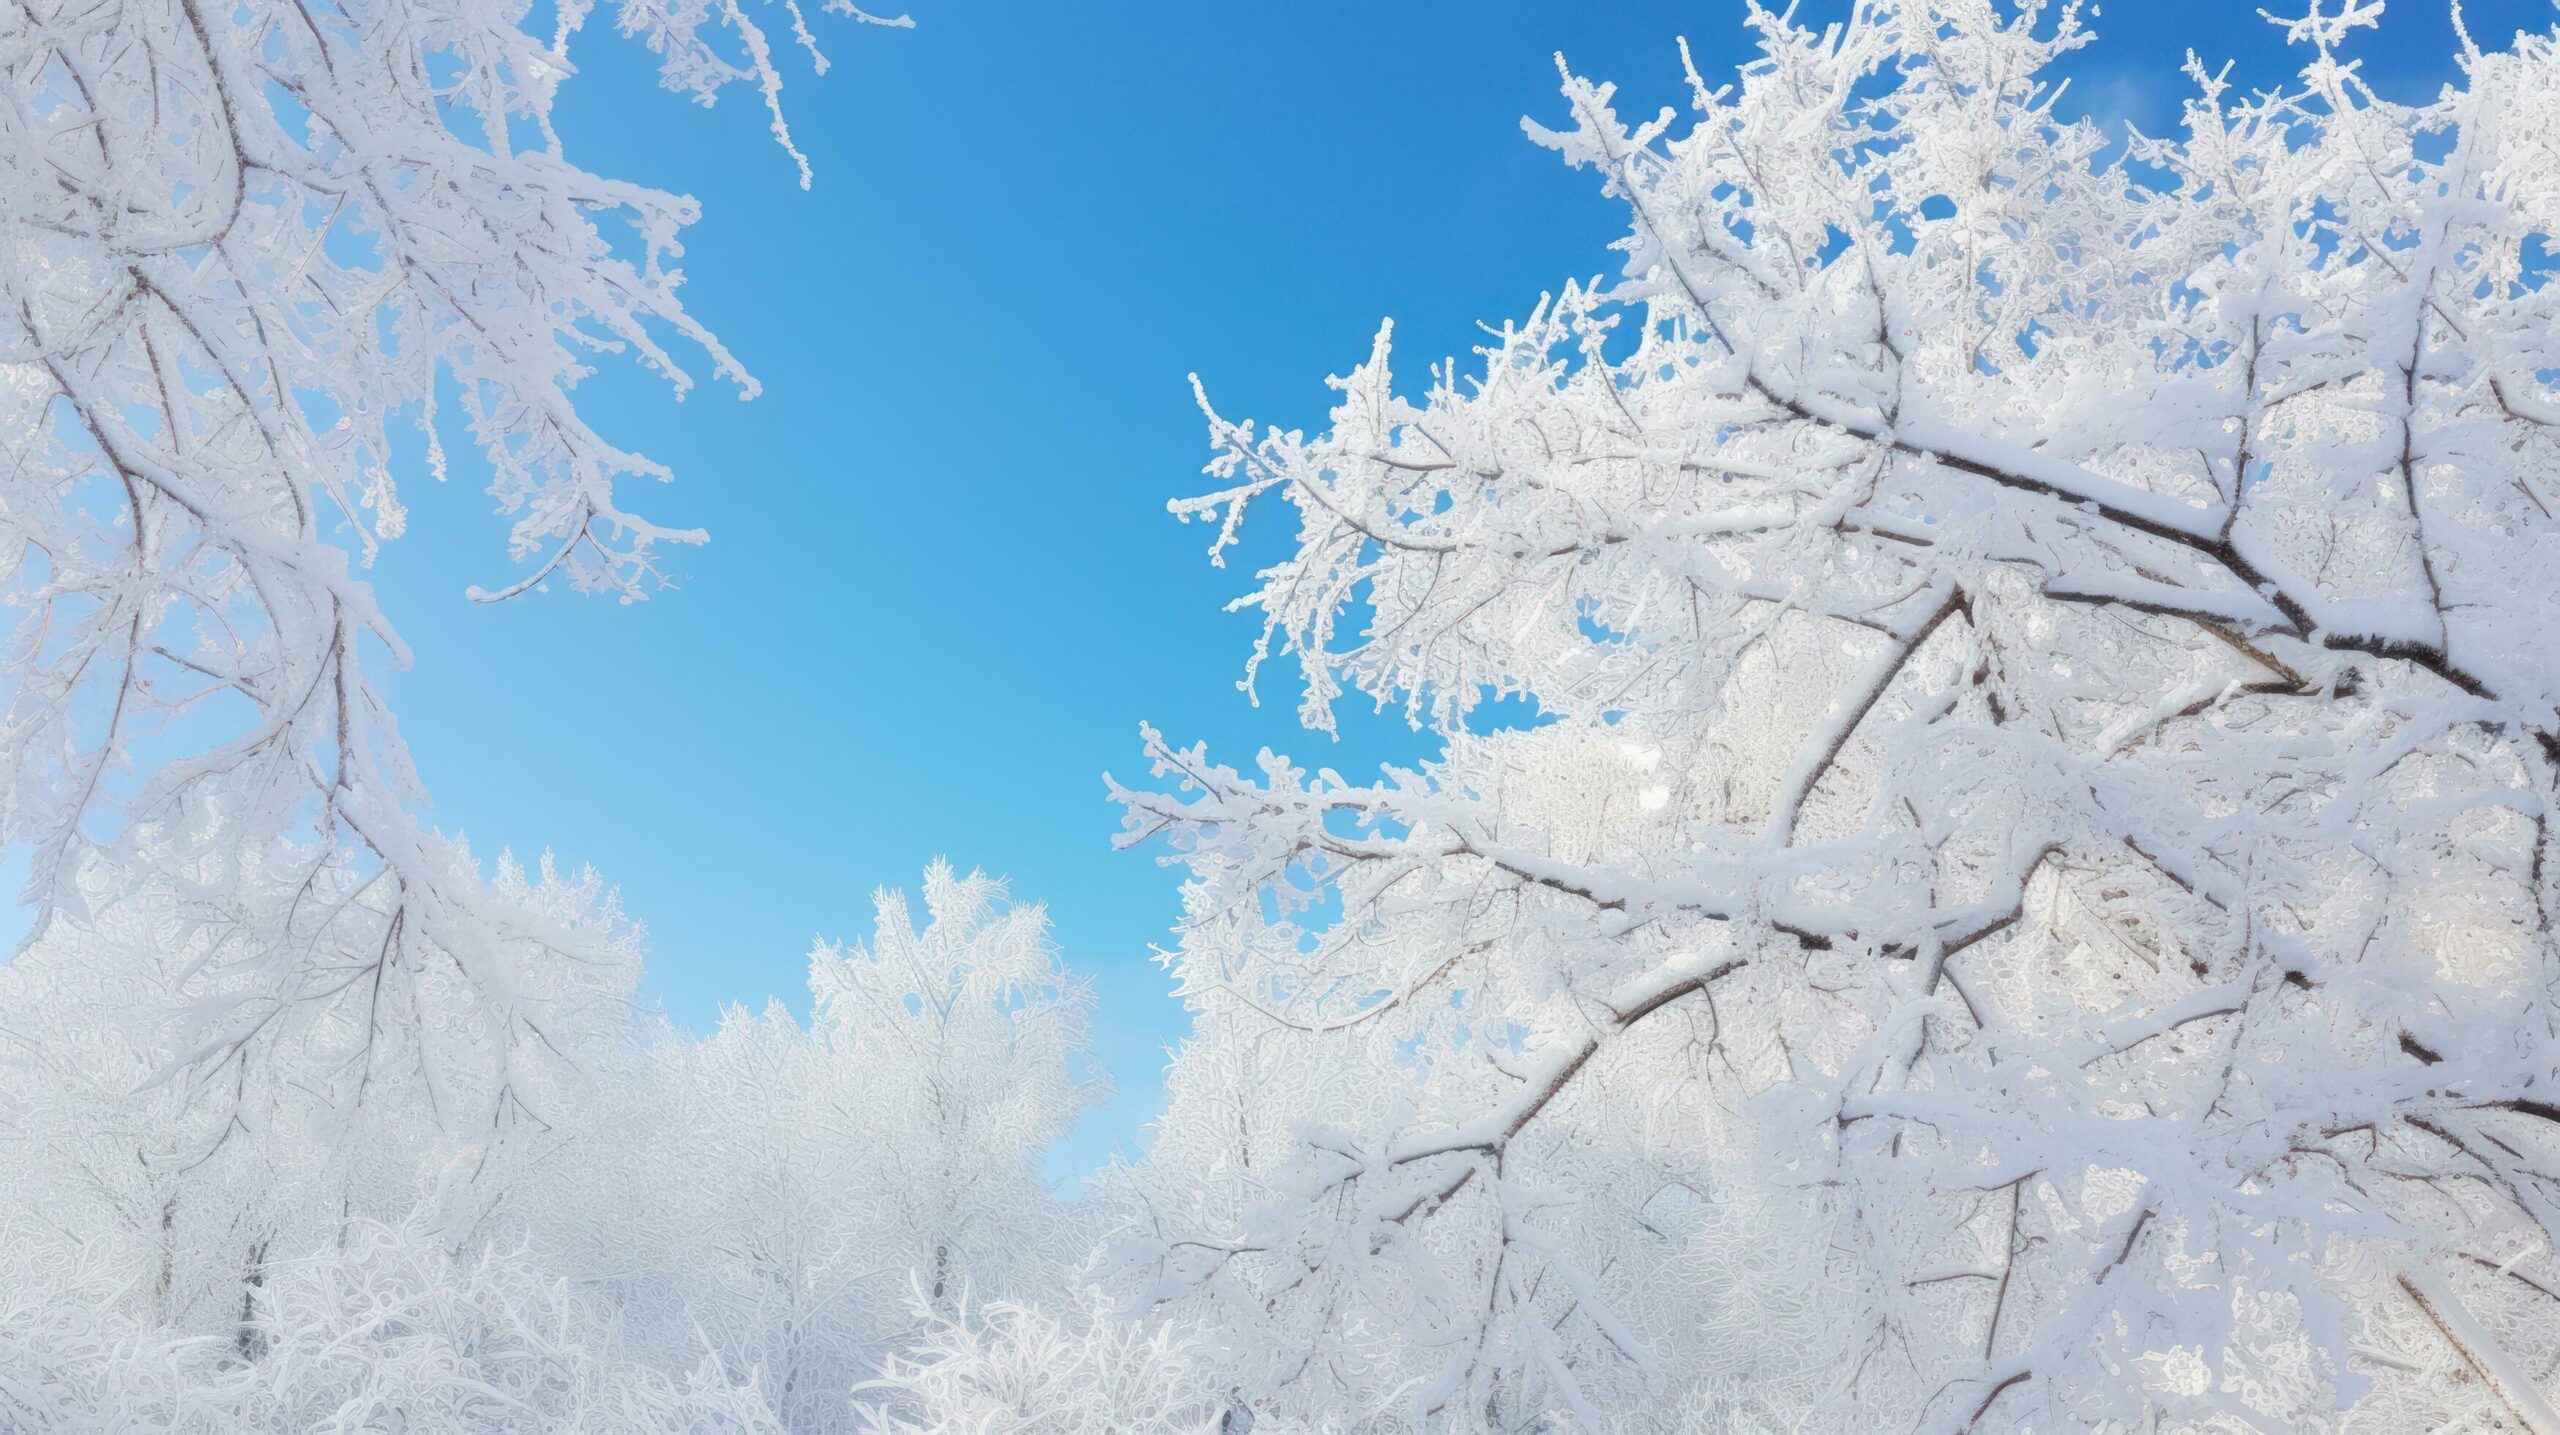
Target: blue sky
<point>942,590</point>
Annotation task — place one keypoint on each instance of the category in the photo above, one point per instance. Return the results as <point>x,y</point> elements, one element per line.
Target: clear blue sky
<point>942,590</point>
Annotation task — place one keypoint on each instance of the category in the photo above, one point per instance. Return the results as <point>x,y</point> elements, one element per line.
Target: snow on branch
<point>2048,665</point>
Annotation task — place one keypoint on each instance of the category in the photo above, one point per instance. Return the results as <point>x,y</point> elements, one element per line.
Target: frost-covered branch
<point>2064,636</point>
<point>254,254</point>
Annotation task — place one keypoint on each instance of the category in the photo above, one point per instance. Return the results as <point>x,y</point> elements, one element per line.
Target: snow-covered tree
<point>389,1331</point>
<point>251,252</point>
<point>849,1183</point>
<point>1012,1368</point>
<point>186,1206</point>
<point>756,1221</point>
<point>289,1083</point>
<point>2047,664</point>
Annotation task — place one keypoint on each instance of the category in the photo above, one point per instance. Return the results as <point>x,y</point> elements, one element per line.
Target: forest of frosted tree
<point>2027,903</point>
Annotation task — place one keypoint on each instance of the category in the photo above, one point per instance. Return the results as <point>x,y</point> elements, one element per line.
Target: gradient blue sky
<point>942,590</point>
